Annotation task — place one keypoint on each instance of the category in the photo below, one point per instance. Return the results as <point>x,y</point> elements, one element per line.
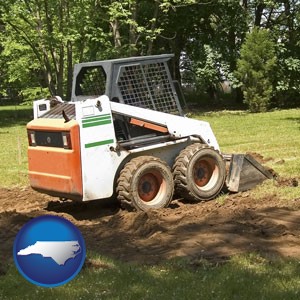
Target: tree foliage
<point>41,40</point>
<point>255,69</point>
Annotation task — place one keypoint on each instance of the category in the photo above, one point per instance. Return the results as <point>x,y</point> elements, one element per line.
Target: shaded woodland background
<point>226,52</point>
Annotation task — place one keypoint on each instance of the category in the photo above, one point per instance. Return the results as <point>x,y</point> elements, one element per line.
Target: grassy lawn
<point>275,135</point>
<point>13,145</point>
<point>243,277</point>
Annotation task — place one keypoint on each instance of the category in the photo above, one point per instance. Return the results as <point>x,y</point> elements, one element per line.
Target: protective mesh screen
<point>147,86</point>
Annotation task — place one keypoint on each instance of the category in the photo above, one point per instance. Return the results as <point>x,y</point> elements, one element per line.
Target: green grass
<point>243,277</point>
<point>13,145</point>
<point>274,135</point>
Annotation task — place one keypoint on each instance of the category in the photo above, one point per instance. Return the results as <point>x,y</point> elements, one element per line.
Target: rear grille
<point>56,112</point>
<point>49,139</point>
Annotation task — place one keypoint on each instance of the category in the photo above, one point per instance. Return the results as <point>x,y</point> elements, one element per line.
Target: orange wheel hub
<point>202,173</point>
<point>148,187</point>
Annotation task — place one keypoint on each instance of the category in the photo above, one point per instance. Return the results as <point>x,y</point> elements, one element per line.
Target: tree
<point>52,35</point>
<point>44,32</point>
<point>40,40</point>
<point>255,69</point>
<point>282,17</point>
<point>44,38</point>
<point>210,39</point>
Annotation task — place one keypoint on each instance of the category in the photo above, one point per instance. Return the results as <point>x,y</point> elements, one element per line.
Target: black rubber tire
<point>199,173</point>
<point>145,182</point>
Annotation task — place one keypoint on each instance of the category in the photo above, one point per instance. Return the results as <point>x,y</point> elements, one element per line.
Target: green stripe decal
<point>96,121</point>
<point>97,118</point>
<point>100,143</point>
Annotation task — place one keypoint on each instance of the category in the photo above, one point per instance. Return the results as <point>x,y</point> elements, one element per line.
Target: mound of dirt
<point>210,230</point>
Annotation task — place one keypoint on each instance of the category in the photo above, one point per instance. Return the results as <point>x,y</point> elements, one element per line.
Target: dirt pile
<point>210,230</point>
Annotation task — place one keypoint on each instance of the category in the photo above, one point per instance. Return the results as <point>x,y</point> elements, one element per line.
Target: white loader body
<point>100,160</point>
<point>100,153</point>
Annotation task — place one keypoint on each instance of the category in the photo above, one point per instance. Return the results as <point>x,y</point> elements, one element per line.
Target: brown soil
<point>208,230</point>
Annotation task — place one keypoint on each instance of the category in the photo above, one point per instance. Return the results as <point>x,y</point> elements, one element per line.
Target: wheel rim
<point>205,173</point>
<point>150,185</point>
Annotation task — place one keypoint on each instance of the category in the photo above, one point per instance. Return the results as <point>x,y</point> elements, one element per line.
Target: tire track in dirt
<point>204,230</point>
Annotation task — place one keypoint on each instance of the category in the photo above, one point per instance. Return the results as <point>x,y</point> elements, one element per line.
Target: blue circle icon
<point>49,251</point>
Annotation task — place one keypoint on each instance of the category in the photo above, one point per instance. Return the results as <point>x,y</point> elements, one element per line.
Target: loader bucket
<point>245,173</point>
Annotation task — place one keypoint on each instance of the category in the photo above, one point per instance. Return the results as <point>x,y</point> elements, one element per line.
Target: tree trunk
<point>132,30</point>
<point>290,21</point>
<point>69,70</point>
<point>116,33</point>
<point>47,74</point>
<point>258,14</point>
<point>60,73</point>
<point>153,26</point>
<point>239,96</point>
<point>244,3</point>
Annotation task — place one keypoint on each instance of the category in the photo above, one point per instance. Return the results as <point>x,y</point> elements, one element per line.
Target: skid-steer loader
<point>123,134</point>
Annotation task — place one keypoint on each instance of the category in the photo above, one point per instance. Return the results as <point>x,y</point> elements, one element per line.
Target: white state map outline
<point>59,251</point>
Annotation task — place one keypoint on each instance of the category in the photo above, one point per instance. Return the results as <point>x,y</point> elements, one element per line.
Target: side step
<point>244,172</point>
